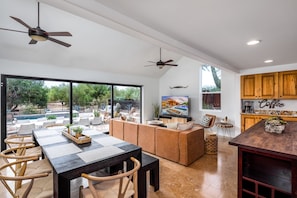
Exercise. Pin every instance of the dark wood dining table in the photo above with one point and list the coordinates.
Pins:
(69, 159)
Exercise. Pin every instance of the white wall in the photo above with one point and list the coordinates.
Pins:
(150, 85)
(188, 74)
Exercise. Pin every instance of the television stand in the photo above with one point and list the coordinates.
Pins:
(172, 119)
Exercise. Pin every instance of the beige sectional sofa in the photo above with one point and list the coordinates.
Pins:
(181, 146)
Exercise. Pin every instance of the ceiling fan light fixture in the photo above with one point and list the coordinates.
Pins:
(253, 42)
(38, 38)
(268, 61)
(38, 34)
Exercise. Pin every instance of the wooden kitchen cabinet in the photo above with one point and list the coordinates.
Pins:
(259, 86)
(288, 85)
(248, 121)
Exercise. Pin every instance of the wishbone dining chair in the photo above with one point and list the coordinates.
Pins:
(122, 185)
(40, 184)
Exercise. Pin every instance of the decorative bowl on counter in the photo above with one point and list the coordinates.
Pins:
(275, 124)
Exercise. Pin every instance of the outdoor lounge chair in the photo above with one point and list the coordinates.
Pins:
(84, 121)
(97, 121)
(26, 129)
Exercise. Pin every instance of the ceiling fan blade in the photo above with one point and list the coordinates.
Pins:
(21, 22)
(13, 30)
(171, 64)
(59, 42)
(32, 41)
(168, 61)
(59, 34)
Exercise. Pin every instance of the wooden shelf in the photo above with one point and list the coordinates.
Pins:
(265, 176)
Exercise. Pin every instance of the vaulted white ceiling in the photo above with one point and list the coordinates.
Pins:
(121, 36)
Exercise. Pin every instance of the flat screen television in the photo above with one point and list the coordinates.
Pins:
(175, 106)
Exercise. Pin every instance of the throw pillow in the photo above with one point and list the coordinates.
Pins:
(172, 125)
(185, 126)
(205, 121)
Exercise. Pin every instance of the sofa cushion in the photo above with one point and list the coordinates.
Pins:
(191, 145)
(205, 121)
(118, 129)
(146, 137)
(167, 143)
(172, 125)
(131, 132)
(185, 126)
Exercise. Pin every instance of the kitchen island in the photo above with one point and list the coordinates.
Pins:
(267, 162)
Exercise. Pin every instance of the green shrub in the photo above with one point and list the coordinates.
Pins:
(51, 117)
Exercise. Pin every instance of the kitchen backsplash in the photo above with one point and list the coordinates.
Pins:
(270, 106)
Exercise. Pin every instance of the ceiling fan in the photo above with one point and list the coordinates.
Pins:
(161, 63)
(38, 34)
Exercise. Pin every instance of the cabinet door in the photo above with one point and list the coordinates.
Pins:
(248, 87)
(268, 85)
(248, 121)
(165, 120)
(259, 86)
(288, 85)
(179, 120)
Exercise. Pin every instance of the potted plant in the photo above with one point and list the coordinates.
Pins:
(68, 127)
(156, 109)
(77, 131)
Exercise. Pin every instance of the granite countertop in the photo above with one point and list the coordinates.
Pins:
(256, 138)
(273, 113)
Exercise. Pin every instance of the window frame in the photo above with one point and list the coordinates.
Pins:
(210, 92)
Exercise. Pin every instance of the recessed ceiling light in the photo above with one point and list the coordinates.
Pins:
(253, 42)
(268, 61)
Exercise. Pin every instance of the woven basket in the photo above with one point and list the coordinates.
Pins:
(211, 144)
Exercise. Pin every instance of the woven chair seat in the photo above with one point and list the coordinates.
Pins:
(42, 188)
(108, 189)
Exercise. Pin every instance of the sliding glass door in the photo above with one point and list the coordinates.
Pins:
(126, 100)
(32, 103)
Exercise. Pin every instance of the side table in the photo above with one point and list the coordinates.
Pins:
(211, 144)
(225, 127)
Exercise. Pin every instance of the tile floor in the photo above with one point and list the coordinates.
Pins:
(212, 176)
